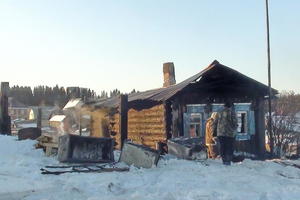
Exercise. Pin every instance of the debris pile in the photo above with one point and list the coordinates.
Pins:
(48, 143)
(139, 155)
(187, 148)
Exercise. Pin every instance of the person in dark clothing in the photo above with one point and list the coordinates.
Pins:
(226, 124)
(226, 149)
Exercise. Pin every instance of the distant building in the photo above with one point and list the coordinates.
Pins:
(60, 123)
(47, 113)
(76, 116)
(17, 110)
(73, 92)
(76, 92)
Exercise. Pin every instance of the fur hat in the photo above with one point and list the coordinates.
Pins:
(213, 115)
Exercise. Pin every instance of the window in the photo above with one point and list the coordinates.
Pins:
(195, 125)
(242, 122)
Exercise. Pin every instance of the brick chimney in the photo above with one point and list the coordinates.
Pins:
(169, 74)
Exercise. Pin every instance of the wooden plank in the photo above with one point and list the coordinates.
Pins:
(47, 144)
(149, 122)
(142, 119)
(147, 127)
(147, 131)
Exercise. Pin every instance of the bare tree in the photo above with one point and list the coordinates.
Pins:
(284, 122)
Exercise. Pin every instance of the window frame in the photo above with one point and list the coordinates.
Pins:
(246, 121)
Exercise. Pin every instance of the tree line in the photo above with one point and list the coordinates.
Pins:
(45, 95)
(113, 93)
(50, 96)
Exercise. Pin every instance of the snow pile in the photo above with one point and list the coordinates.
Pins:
(173, 179)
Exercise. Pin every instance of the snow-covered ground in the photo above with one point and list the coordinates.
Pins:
(172, 179)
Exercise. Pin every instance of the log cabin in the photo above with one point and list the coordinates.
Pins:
(181, 110)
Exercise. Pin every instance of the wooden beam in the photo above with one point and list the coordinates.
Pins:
(39, 118)
(180, 118)
(175, 118)
(5, 121)
(260, 128)
(123, 108)
(168, 119)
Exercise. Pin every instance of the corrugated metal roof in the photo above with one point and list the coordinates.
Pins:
(163, 94)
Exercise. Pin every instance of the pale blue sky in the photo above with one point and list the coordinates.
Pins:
(123, 44)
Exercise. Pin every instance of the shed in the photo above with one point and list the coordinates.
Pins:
(60, 123)
(171, 111)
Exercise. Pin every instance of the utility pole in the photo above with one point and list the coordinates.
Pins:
(271, 137)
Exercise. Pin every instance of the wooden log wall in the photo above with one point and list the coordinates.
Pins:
(145, 127)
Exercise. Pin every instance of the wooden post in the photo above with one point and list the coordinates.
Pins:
(260, 129)
(5, 121)
(168, 120)
(39, 118)
(180, 118)
(123, 109)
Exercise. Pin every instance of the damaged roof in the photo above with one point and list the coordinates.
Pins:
(57, 118)
(73, 103)
(165, 93)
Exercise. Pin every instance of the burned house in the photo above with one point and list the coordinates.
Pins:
(181, 110)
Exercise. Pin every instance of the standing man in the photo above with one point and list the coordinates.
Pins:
(226, 124)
